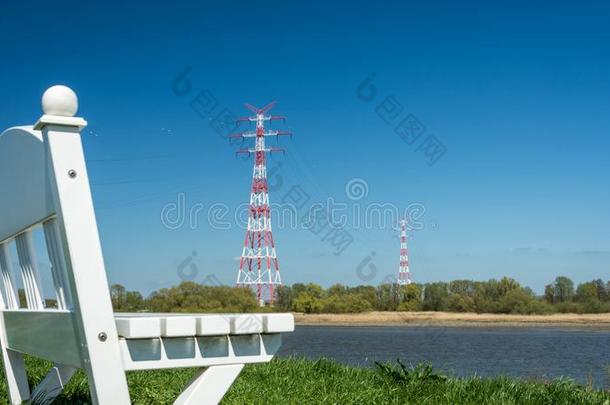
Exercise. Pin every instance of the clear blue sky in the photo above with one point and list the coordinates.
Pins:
(519, 94)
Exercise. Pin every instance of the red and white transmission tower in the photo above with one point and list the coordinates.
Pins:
(404, 276)
(258, 265)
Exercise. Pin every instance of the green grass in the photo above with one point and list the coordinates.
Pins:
(298, 381)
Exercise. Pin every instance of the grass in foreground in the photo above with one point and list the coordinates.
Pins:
(299, 381)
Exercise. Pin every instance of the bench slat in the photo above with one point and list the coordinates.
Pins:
(48, 334)
(139, 328)
(277, 323)
(143, 326)
(178, 326)
(213, 325)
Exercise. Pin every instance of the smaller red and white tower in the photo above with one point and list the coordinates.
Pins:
(404, 275)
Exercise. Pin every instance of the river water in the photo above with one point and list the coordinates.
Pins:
(519, 352)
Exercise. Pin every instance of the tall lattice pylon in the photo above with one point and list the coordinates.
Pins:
(404, 275)
(258, 265)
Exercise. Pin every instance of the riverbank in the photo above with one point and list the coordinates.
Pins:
(456, 319)
(297, 381)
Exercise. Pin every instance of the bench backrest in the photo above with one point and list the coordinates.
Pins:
(44, 184)
(27, 203)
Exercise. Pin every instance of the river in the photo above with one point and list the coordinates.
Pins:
(518, 352)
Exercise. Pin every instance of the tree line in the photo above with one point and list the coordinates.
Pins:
(504, 296)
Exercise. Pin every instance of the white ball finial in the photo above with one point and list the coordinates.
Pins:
(60, 100)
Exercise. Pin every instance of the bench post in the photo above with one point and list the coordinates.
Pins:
(14, 366)
(69, 192)
(209, 385)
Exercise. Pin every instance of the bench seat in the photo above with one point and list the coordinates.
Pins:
(157, 341)
(152, 325)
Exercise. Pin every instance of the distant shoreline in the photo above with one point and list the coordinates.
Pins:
(456, 319)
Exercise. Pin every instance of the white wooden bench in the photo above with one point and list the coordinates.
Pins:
(44, 185)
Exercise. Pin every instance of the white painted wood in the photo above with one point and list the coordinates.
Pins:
(48, 119)
(48, 334)
(209, 385)
(23, 181)
(14, 366)
(151, 325)
(276, 323)
(53, 384)
(10, 294)
(152, 354)
(16, 377)
(84, 261)
(29, 270)
(213, 325)
(139, 328)
(178, 326)
(58, 264)
(60, 102)
(246, 324)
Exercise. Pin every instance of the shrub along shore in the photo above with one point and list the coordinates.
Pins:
(505, 296)
(299, 381)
